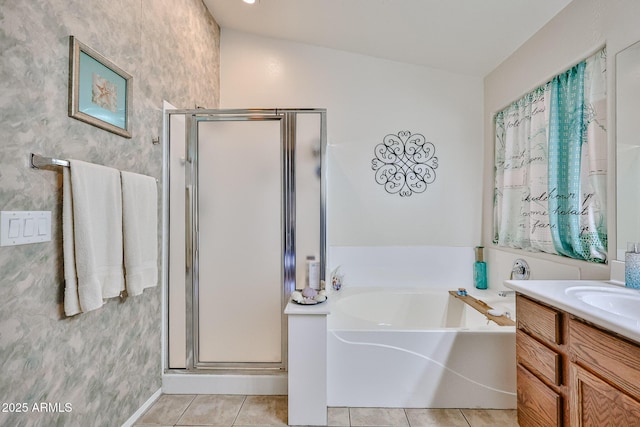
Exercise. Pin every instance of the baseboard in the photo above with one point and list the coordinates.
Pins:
(141, 410)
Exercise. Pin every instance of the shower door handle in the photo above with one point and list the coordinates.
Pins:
(187, 228)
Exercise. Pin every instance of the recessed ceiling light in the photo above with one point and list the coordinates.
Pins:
(249, 1)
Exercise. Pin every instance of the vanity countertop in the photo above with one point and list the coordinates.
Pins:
(562, 294)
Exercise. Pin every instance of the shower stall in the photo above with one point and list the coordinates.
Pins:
(244, 208)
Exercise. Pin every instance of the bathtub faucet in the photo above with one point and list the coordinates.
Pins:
(506, 293)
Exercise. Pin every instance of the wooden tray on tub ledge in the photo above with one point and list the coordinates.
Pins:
(483, 308)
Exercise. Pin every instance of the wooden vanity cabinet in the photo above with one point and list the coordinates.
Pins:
(572, 373)
(542, 362)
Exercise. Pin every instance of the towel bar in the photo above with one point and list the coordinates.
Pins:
(38, 161)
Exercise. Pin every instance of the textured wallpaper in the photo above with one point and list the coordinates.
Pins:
(96, 368)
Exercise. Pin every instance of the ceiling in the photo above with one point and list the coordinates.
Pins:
(470, 37)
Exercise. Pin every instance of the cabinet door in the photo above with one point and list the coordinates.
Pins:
(595, 403)
(609, 357)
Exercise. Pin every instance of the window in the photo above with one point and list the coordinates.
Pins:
(551, 166)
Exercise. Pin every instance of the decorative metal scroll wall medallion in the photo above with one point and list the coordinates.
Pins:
(405, 163)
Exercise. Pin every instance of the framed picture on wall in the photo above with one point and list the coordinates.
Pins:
(99, 90)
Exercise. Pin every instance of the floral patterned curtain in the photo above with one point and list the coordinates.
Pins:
(550, 166)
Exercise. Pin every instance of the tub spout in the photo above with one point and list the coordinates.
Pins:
(506, 293)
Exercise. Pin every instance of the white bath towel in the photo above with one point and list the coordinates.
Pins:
(96, 249)
(71, 299)
(140, 231)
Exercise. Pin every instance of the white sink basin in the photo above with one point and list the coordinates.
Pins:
(623, 302)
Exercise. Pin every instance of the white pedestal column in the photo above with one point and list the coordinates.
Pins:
(307, 380)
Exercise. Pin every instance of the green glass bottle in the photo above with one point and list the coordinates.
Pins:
(480, 270)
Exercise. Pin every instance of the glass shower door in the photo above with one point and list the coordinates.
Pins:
(239, 205)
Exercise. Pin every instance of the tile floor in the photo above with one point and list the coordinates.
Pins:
(268, 411)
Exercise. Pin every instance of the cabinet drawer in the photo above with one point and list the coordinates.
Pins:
(538, 358)
(538, 320)
(607, 355)
(538, 405)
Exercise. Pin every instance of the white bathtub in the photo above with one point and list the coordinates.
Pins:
(415, 348)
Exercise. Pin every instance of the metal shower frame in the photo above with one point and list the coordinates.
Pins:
(287, 118)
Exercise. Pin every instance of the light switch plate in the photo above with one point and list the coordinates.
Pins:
(23, 227)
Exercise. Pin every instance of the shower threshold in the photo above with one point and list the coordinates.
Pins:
(225, 381)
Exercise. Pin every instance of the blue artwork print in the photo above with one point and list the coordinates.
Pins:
(102, 92)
